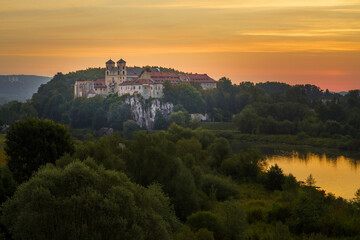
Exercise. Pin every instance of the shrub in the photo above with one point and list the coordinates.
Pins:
(221, 188)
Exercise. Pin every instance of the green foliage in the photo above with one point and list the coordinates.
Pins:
(35, 142)
(274, 178)
(176, 132)
(233, 217)
(244, 166)
(160, 121)
(281, 232)
(219, 150)
(204, 234)
(7, 184)
(205, 137)
(117, 114)
(180, 118)
(189, 148)
(306, 213)
(150, 158)
(247, 120)
(15, 110)
(106, 151)
(84, 201)
(129, 128)
(218, 125)
(206, 220)
(218, 188)
(186, 95)
(83, 112)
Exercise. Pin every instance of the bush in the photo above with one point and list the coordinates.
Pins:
(218, 187)
(205, 220)
(244, 166)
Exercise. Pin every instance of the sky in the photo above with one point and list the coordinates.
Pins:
(293, 41)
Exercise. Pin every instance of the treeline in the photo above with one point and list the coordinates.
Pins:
(264, 108)
(177, 184)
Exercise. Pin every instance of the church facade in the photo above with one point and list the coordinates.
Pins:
(122, 80)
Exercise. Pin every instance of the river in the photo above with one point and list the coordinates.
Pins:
(338, 175)
(334, 171)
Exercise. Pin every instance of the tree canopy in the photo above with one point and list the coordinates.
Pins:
(81, 200)
(35, 142)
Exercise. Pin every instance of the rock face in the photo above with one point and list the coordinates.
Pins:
(143, 111)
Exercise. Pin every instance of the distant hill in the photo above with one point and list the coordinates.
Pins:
(19, 87)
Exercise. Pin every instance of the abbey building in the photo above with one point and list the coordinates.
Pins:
(133, 80)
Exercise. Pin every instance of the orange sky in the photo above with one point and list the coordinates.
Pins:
(307, 41)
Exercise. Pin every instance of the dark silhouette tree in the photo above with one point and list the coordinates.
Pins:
(35, 142)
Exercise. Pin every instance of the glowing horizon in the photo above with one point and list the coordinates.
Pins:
(297, 42)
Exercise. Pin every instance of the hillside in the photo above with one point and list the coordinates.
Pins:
(19, 87)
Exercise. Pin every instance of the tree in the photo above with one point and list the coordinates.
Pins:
(160, 121)
(178, 117)
(357, 195)
(35, 142)
(81, 200)
(219, 149)
(129, 127)
(7, 184)
(233, 218)
(207, 220)
(310, 180)
(99, 119)
(247, 120)
(118, 113)
(275, 178)
(185, 95)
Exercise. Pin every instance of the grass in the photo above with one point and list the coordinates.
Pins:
(218, 126)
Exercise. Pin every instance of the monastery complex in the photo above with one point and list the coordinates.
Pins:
(133, 80)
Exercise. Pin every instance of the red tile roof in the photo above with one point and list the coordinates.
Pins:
(99, 83)
(136, 81)
(202, 78)
(161, 77)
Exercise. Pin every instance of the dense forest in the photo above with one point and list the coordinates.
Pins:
(176, 184)
(61, 178)
(264, 108)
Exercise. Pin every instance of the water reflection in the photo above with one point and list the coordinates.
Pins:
(339, 175)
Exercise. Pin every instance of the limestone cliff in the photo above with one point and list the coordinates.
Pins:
(143, 111)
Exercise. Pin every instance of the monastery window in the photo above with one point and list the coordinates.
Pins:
(123, 72)
(123, 67)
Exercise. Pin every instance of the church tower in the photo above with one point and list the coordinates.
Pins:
(112, 80)
(121, 67)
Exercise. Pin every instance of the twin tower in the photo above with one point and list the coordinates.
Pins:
(115, 75)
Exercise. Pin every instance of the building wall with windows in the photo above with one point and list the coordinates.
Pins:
(149, 84)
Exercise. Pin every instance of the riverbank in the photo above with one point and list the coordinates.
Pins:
(229, 131)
